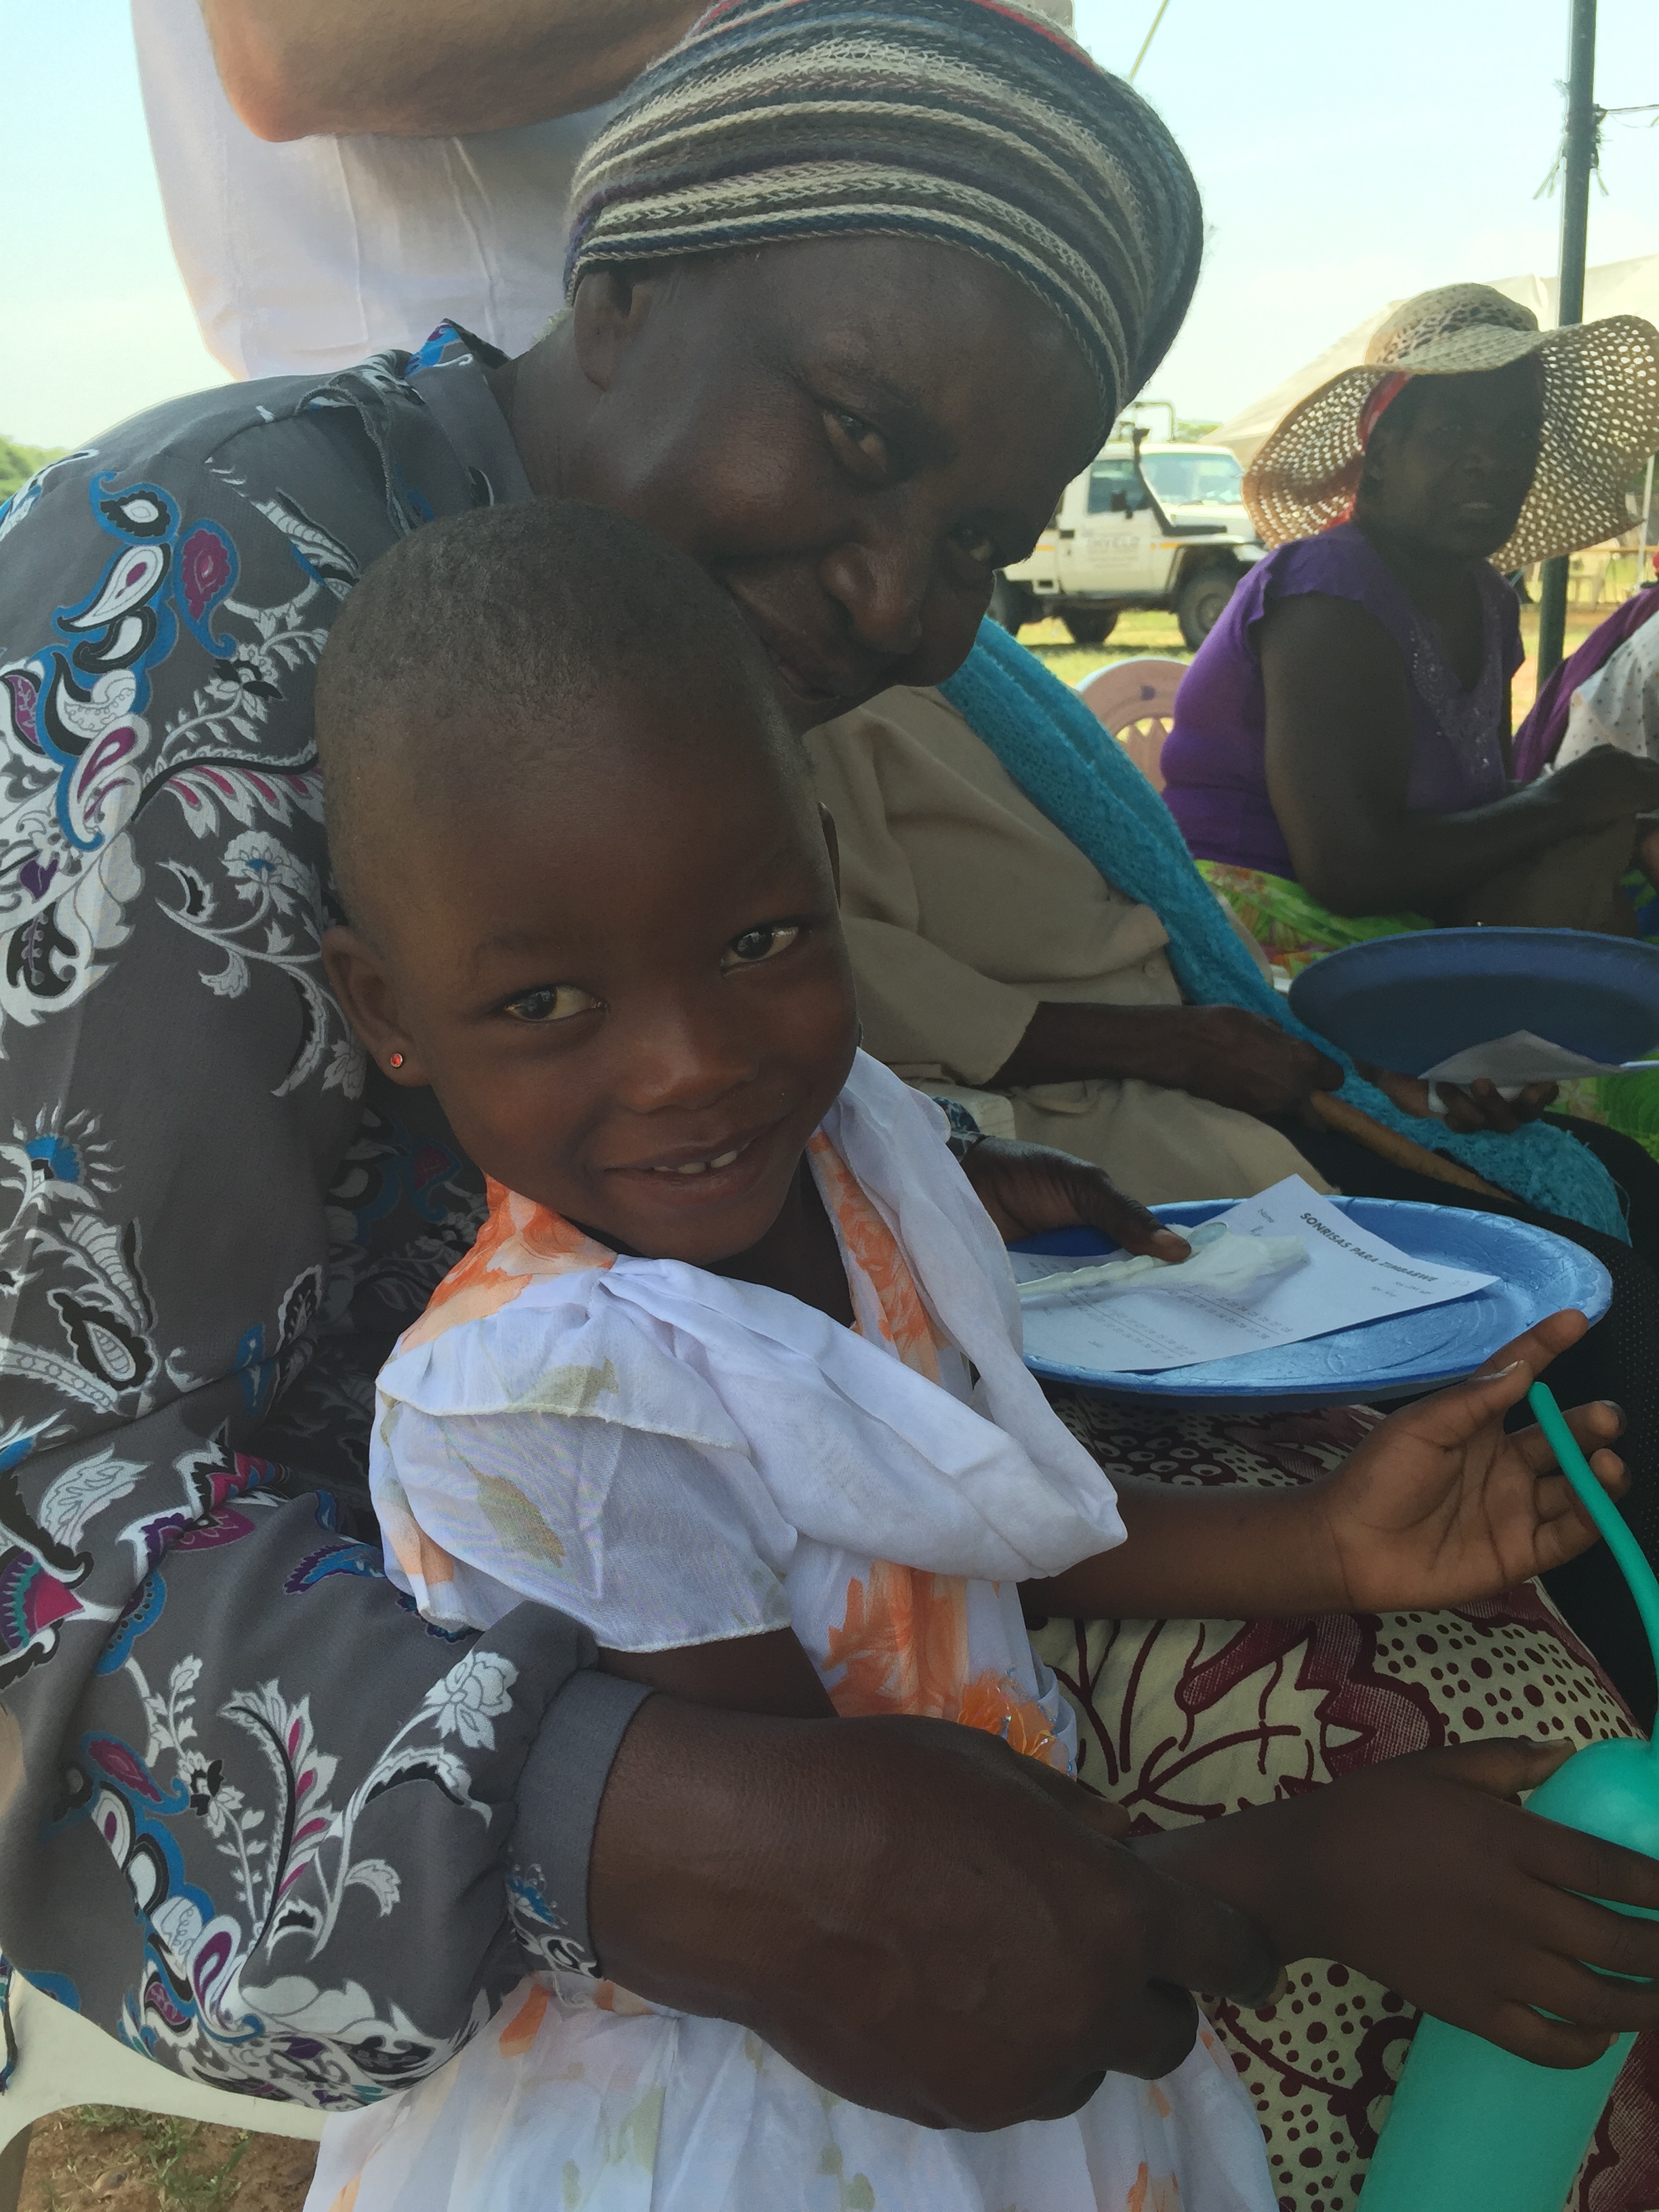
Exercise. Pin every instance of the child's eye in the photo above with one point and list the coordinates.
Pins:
(556, 1002)
(763, 943)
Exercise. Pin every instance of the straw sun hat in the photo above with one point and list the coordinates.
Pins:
(1600, 419)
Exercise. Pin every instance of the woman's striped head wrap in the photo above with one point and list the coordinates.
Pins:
(970, 122)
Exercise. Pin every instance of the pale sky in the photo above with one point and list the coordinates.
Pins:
(1348, 155)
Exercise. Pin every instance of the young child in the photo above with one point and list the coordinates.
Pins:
(732, 1374)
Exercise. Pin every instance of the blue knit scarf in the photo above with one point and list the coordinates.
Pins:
(1063, 760)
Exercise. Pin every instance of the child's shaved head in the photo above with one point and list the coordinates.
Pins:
(592, 906)
(464, 665)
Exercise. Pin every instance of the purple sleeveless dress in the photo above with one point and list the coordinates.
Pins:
(1215, 777)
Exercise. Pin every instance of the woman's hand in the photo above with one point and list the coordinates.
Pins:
(1468, 1109)
(1439, 1505)
(1419, 1873)
(1030, 1189)
(1603, 786)
(918, 1919)
(1247, 1061)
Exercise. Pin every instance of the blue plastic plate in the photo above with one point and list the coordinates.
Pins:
(1537, 1273)
(1411, 1001)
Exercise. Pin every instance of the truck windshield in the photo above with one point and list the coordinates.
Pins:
(1193, 479)
(1113, 488)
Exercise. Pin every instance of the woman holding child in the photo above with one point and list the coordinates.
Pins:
(292, 1836)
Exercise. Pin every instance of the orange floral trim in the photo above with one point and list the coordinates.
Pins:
(516, 2038)
(902, 1643)
(904, 1321)
(903, 1647)
(519, 1241)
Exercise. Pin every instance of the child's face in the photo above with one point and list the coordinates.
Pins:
(629, 988)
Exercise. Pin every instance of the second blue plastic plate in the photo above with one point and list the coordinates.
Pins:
(1411, 1001)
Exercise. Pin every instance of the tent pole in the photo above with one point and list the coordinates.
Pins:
(1647, 509)
(1570, 298)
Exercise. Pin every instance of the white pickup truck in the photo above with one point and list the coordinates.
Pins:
(1149, 524)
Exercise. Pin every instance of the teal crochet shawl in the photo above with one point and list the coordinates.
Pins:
(1063, 760)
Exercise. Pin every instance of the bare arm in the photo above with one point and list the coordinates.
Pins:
(1198, 1555)
(1439, 1505)
(422, 69)
(1221, 1053)
(1338, 757)
(768, 1673)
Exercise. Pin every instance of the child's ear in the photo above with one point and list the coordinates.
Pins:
(366, 994)
(832, 839)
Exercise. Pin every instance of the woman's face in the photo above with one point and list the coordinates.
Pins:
(1452, 472)
(851, 436)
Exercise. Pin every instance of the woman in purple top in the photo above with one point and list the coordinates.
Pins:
(1341, 739)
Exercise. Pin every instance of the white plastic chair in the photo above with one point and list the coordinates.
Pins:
(1134, 700)
(63, 2060)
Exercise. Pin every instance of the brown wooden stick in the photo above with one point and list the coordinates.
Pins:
(1404, 1152)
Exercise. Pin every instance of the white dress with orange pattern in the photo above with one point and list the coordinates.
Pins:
(673, 1458)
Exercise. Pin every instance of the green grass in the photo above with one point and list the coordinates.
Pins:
(172, 2150)
(1147, 631)
(1144, 630)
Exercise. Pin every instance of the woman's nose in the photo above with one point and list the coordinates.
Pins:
(1491, 452)
(884, 587)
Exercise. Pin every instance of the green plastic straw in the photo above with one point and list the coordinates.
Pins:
(1643, 1587)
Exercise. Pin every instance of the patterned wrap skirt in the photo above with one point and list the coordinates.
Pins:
(1182, 1721)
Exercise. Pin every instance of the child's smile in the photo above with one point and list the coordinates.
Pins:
(627, 982)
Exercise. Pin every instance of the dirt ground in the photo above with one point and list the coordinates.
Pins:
(99, 2158)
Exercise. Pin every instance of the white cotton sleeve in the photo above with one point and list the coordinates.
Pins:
(563, 1448)
(651, 1541)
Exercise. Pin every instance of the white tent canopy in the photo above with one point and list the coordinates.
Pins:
(1617, 288)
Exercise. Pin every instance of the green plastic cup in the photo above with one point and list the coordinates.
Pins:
(1473, 2128)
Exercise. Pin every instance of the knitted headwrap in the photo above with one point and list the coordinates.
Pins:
(966, 121)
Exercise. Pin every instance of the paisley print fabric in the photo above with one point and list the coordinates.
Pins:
(222, 1725)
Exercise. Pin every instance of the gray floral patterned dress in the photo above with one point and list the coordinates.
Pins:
(257, 1817)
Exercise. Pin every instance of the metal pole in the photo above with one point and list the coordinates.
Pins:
(1570, 302)
(1647, 509)
(1147, 41)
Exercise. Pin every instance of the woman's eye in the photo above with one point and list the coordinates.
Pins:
(860, 444)
(555, 1002)
(978, 544)
(756, 945)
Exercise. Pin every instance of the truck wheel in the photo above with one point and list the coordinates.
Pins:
(1203, 598)
(1090, 625)
(1010, 606)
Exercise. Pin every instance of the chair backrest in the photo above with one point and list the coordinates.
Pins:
(63, 2059)
(1135, 700)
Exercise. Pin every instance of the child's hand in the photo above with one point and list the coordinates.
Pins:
(1029, 1188)
(1438, 1505)
(1418, 1872)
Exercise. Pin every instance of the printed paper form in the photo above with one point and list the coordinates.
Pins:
(1521, 1058)
(1348, 1277)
